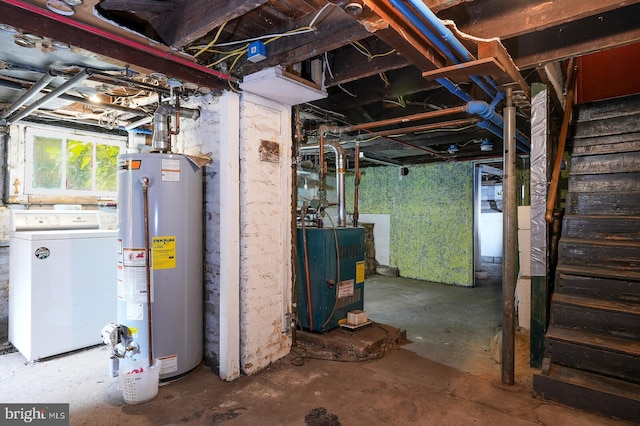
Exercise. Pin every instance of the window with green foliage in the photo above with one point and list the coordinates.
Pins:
(72, 163)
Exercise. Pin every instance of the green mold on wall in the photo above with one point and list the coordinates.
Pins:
(431, 211)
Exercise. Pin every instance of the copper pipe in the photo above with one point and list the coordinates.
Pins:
(430, 126)
(147, 258)
(405, 119)
(553, 187)
(356, 182)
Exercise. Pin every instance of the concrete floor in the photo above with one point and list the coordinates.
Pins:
(446, 376)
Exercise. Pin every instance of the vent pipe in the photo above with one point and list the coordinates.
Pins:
(160, 141)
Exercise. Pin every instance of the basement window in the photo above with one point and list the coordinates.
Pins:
(65, 162)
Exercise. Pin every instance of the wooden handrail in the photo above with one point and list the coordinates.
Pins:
(555, 179)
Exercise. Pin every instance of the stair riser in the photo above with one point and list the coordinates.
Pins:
(607, 108)
(627, 162)
(608, 126)
(598, 288)
(595, 360)
(629, 142)
(615, 182)
(605, 256)
(586, 399)
(623, 325)
(602, 228)
(620, 204)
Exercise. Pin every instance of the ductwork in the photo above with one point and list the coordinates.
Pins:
(160, 140)
(340, 174)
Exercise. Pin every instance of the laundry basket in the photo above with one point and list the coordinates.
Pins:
(139, 381)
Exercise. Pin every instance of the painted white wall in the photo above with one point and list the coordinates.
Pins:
(381, 234)
(265, 239)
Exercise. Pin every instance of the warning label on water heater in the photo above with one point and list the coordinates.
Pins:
(170, 170)
(163, 252)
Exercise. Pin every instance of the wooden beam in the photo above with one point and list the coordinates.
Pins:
(411, 43)
(33, 19)
(349, 65)
(493, 49)
(511, 18)
(147, 6)
(613, 29)
(196, 18)
(333, 32)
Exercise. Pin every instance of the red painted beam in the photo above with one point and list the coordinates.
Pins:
(34, 19)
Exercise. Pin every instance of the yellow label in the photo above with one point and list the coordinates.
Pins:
(133, 332)
(163, 252)
(360, 272)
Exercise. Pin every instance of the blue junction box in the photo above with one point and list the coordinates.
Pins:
(257, 51)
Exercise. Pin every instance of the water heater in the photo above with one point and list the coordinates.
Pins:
(160, 213)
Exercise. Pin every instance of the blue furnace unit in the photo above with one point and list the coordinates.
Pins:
(336, 277)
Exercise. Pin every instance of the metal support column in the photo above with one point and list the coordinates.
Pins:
(509, 241)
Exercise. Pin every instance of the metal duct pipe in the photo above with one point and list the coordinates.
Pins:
(340, 187)
(29, 94)
(160, 139)
(77, 79)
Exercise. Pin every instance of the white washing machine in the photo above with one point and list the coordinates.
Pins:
(62, 281)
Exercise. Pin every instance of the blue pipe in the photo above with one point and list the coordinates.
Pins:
(448, 36)
(442, 46)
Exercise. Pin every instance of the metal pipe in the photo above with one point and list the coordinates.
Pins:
(509, 241)
(340, 186)
(29, 94)
(77, 79)
(161, 131)
(405, 119)
(441, 38)
(430, 126)
(4, 172)
(356, 184)
(147, 255)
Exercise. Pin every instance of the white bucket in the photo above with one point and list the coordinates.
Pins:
(139, 381)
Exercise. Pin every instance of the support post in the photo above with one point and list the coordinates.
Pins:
(509, 242)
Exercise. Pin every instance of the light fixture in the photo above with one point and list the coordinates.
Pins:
(486, 145)
(353, 8)
(453, 148)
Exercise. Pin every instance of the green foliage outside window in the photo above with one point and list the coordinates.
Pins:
(47, 159)
(88, 166)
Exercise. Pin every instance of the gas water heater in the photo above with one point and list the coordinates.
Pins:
(159, 270)
(173, 187)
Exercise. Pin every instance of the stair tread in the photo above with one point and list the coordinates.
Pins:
(584, 338)
(600, 216)
(594, 271)
(601, 304)
(595, 382)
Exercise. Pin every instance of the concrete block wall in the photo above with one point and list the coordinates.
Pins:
(265, 226)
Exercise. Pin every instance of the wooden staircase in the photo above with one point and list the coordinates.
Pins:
(592, 356)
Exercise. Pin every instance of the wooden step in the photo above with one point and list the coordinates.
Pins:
(599, 354)
(590, 392)
(626, 142)
(607, 108)
(625, 162)
(593, 271)
(601, 227)
(606, 182)
(581, 283)
(600, 253)
(608, 126)
(606, 317)
(597, 203)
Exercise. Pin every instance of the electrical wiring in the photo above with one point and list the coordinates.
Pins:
(212, 42)
(364, 51)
